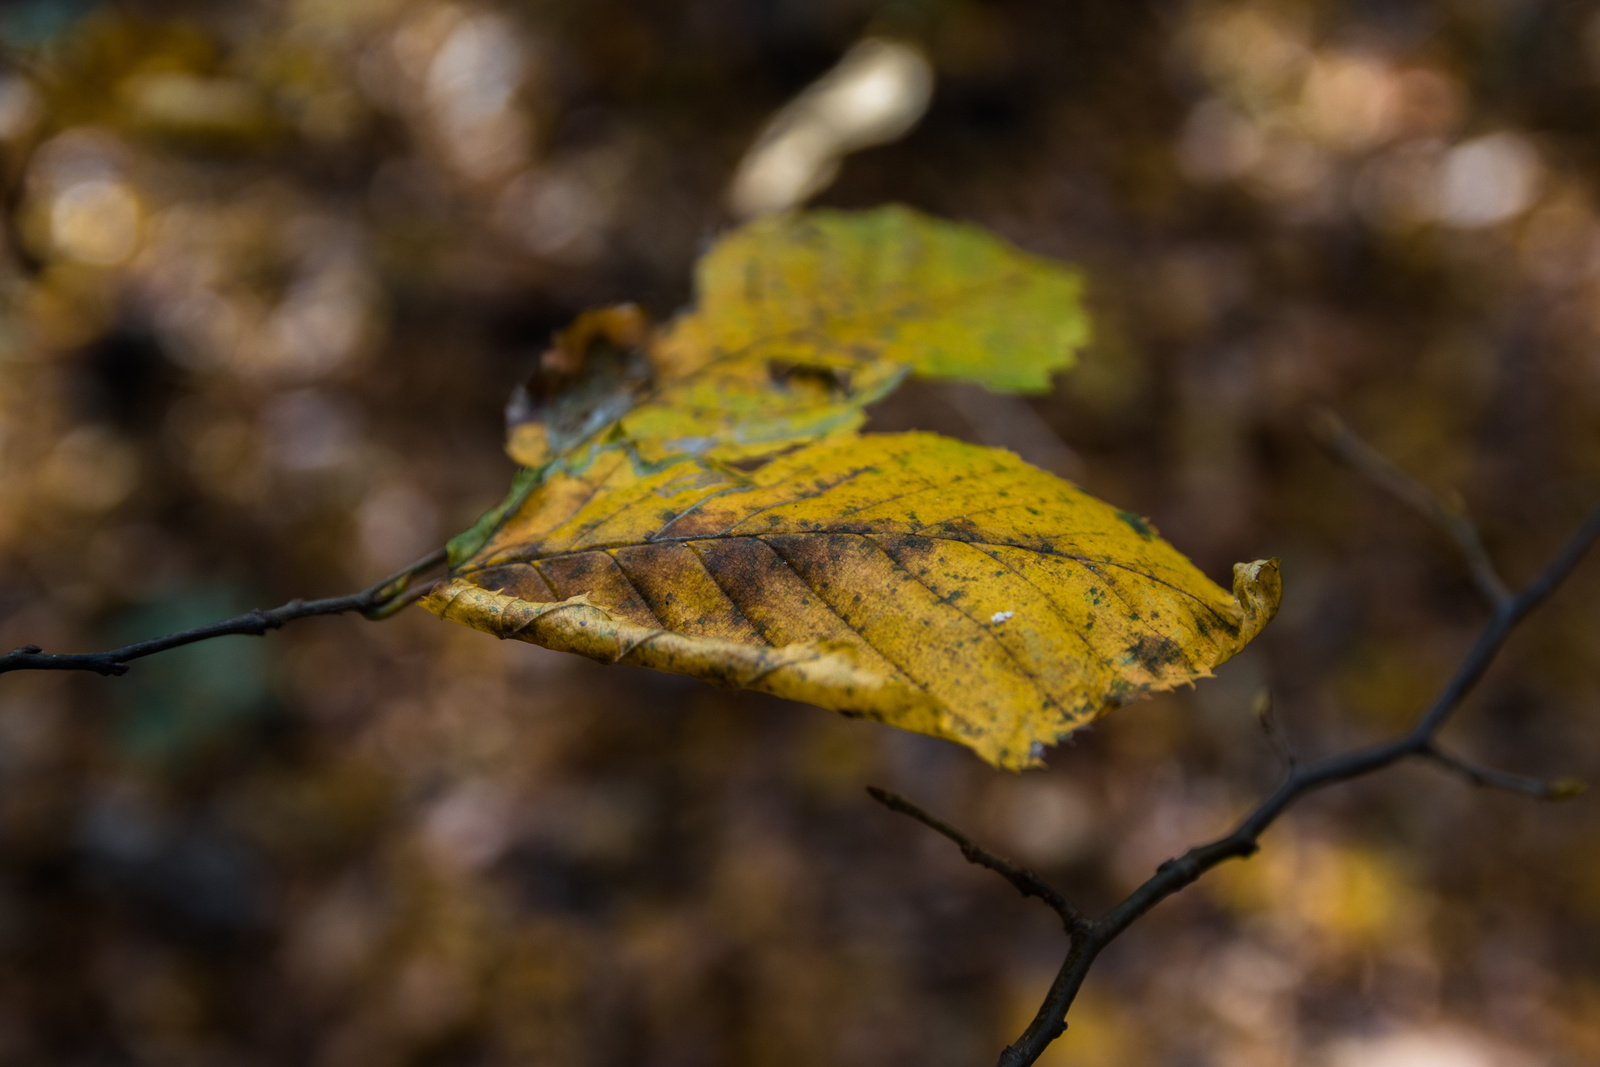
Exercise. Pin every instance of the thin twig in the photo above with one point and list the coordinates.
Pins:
(1451, 519)
(1025, 881)
(1179, 873)
(376, 601)
(1489, 777)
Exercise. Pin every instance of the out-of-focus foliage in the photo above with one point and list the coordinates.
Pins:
(840, 289)
(257, 365)
(801, 322)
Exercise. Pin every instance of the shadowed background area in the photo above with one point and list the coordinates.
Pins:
(272, 269)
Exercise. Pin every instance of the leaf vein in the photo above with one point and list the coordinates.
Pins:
(728, 595)
(638, 591)
(988, 631)
(848, 624)
(535, 557)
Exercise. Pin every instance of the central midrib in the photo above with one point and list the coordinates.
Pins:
(614, 546)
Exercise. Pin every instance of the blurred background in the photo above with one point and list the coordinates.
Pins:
(271, 269)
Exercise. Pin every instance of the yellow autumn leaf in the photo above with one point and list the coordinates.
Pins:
(803, 320)
(929, 584)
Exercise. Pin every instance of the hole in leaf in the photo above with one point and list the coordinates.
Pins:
(834, 381)
(755, 463)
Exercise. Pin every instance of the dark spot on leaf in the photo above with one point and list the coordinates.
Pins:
(1138, 524)
(1154, 653)
(755, 463)
(835, 380)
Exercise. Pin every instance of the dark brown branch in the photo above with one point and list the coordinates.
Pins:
(1451, 519)
(1025, 881)
(1489, 777)
(1179, 873)
(377, 601)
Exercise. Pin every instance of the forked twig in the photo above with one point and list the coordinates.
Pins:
(1091, 937)
(376, 602)
(1306, 778)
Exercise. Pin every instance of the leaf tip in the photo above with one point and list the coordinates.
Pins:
(1258, 588)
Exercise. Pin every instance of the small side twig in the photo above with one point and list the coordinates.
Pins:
(1267, 716)
(376, 602)
(1450, 518)
(1491, 778)
(1023, 880)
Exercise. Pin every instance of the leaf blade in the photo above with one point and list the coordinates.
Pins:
(1017, 606)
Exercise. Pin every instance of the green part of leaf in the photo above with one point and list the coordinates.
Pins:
(946, 299)
(732, 410)
(803, 321)
(463, 546)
